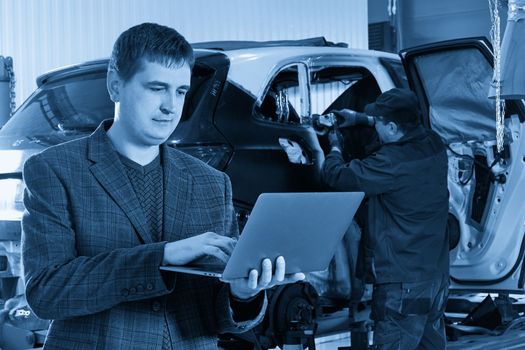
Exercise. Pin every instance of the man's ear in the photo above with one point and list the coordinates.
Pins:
(392, 128)
(113, 82)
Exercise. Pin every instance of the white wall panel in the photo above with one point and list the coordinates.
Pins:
(45, 34)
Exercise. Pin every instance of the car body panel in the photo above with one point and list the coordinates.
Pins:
(452, 80)
(257, 140)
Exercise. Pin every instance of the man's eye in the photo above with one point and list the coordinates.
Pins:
(182, 92)
(156, 89)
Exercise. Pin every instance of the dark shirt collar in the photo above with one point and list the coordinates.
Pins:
(417, 133)
(144, 169)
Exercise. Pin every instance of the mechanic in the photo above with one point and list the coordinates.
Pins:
(104, 212)
(405, 242)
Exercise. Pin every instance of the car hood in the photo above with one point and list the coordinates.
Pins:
(12, 160)
(12, 190)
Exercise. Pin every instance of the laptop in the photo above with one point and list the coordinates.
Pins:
(305, 228)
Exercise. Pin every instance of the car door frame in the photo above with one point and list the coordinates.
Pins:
(408, 57)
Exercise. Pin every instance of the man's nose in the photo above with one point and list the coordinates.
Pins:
(169, 104)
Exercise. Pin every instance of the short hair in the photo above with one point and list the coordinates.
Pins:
(153, 42)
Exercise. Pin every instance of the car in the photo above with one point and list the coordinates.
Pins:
(250, 113)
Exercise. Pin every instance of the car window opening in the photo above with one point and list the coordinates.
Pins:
(330, 88)
(282, 101)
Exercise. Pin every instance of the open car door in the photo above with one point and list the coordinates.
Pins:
(487, 188)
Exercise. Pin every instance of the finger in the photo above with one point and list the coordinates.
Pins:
(252, 279)
(216, 252)
(294, 277)
(225, 243)
(299, 276)
(290, 278)
(280, 268)
(266, 275)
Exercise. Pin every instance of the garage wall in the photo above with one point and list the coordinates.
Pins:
(45, 34)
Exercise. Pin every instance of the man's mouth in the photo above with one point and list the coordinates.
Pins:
(162, 120)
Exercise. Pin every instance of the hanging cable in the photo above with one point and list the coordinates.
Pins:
(495, 35)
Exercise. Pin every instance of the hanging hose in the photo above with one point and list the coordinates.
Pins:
(495, 34)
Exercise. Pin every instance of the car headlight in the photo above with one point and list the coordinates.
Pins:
(216, 156)
(11, 199)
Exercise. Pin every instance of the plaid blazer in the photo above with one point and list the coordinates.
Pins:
(92, 266)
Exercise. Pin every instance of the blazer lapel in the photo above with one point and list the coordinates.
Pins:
(110, 173)
(177, 195)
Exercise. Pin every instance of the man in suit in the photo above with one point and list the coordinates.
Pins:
(104, 212)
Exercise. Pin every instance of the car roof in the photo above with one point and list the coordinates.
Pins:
(242, 44)
(253, 68)
(252, 64)
(94, 66)
(89, 66)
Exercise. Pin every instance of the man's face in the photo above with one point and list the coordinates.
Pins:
(150, 103)
(381, 128)
(386, 130)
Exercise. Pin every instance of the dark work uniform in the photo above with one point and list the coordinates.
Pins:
(405, 244)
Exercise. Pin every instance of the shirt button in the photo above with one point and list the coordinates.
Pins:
(149, 286)
(125, 292)
(132, 290)
(155, 306)
(140, 288)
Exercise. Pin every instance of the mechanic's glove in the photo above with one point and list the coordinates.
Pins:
(347, 117)
(335, 139)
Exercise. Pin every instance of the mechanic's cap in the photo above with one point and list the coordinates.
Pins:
(397, 105)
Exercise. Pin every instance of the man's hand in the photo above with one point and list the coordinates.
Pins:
(347, 117)
(186, 250)
(335, 139)
(245, 288)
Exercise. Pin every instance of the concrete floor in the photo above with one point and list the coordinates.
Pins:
(331, 342)
(511, 340)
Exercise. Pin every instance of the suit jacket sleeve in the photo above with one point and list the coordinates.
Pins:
(224, 311)
(59, 283)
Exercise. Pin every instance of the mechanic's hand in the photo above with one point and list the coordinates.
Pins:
(323, 123)
(186, 250)
(245, 288)
(335, 139)
(348, 117)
